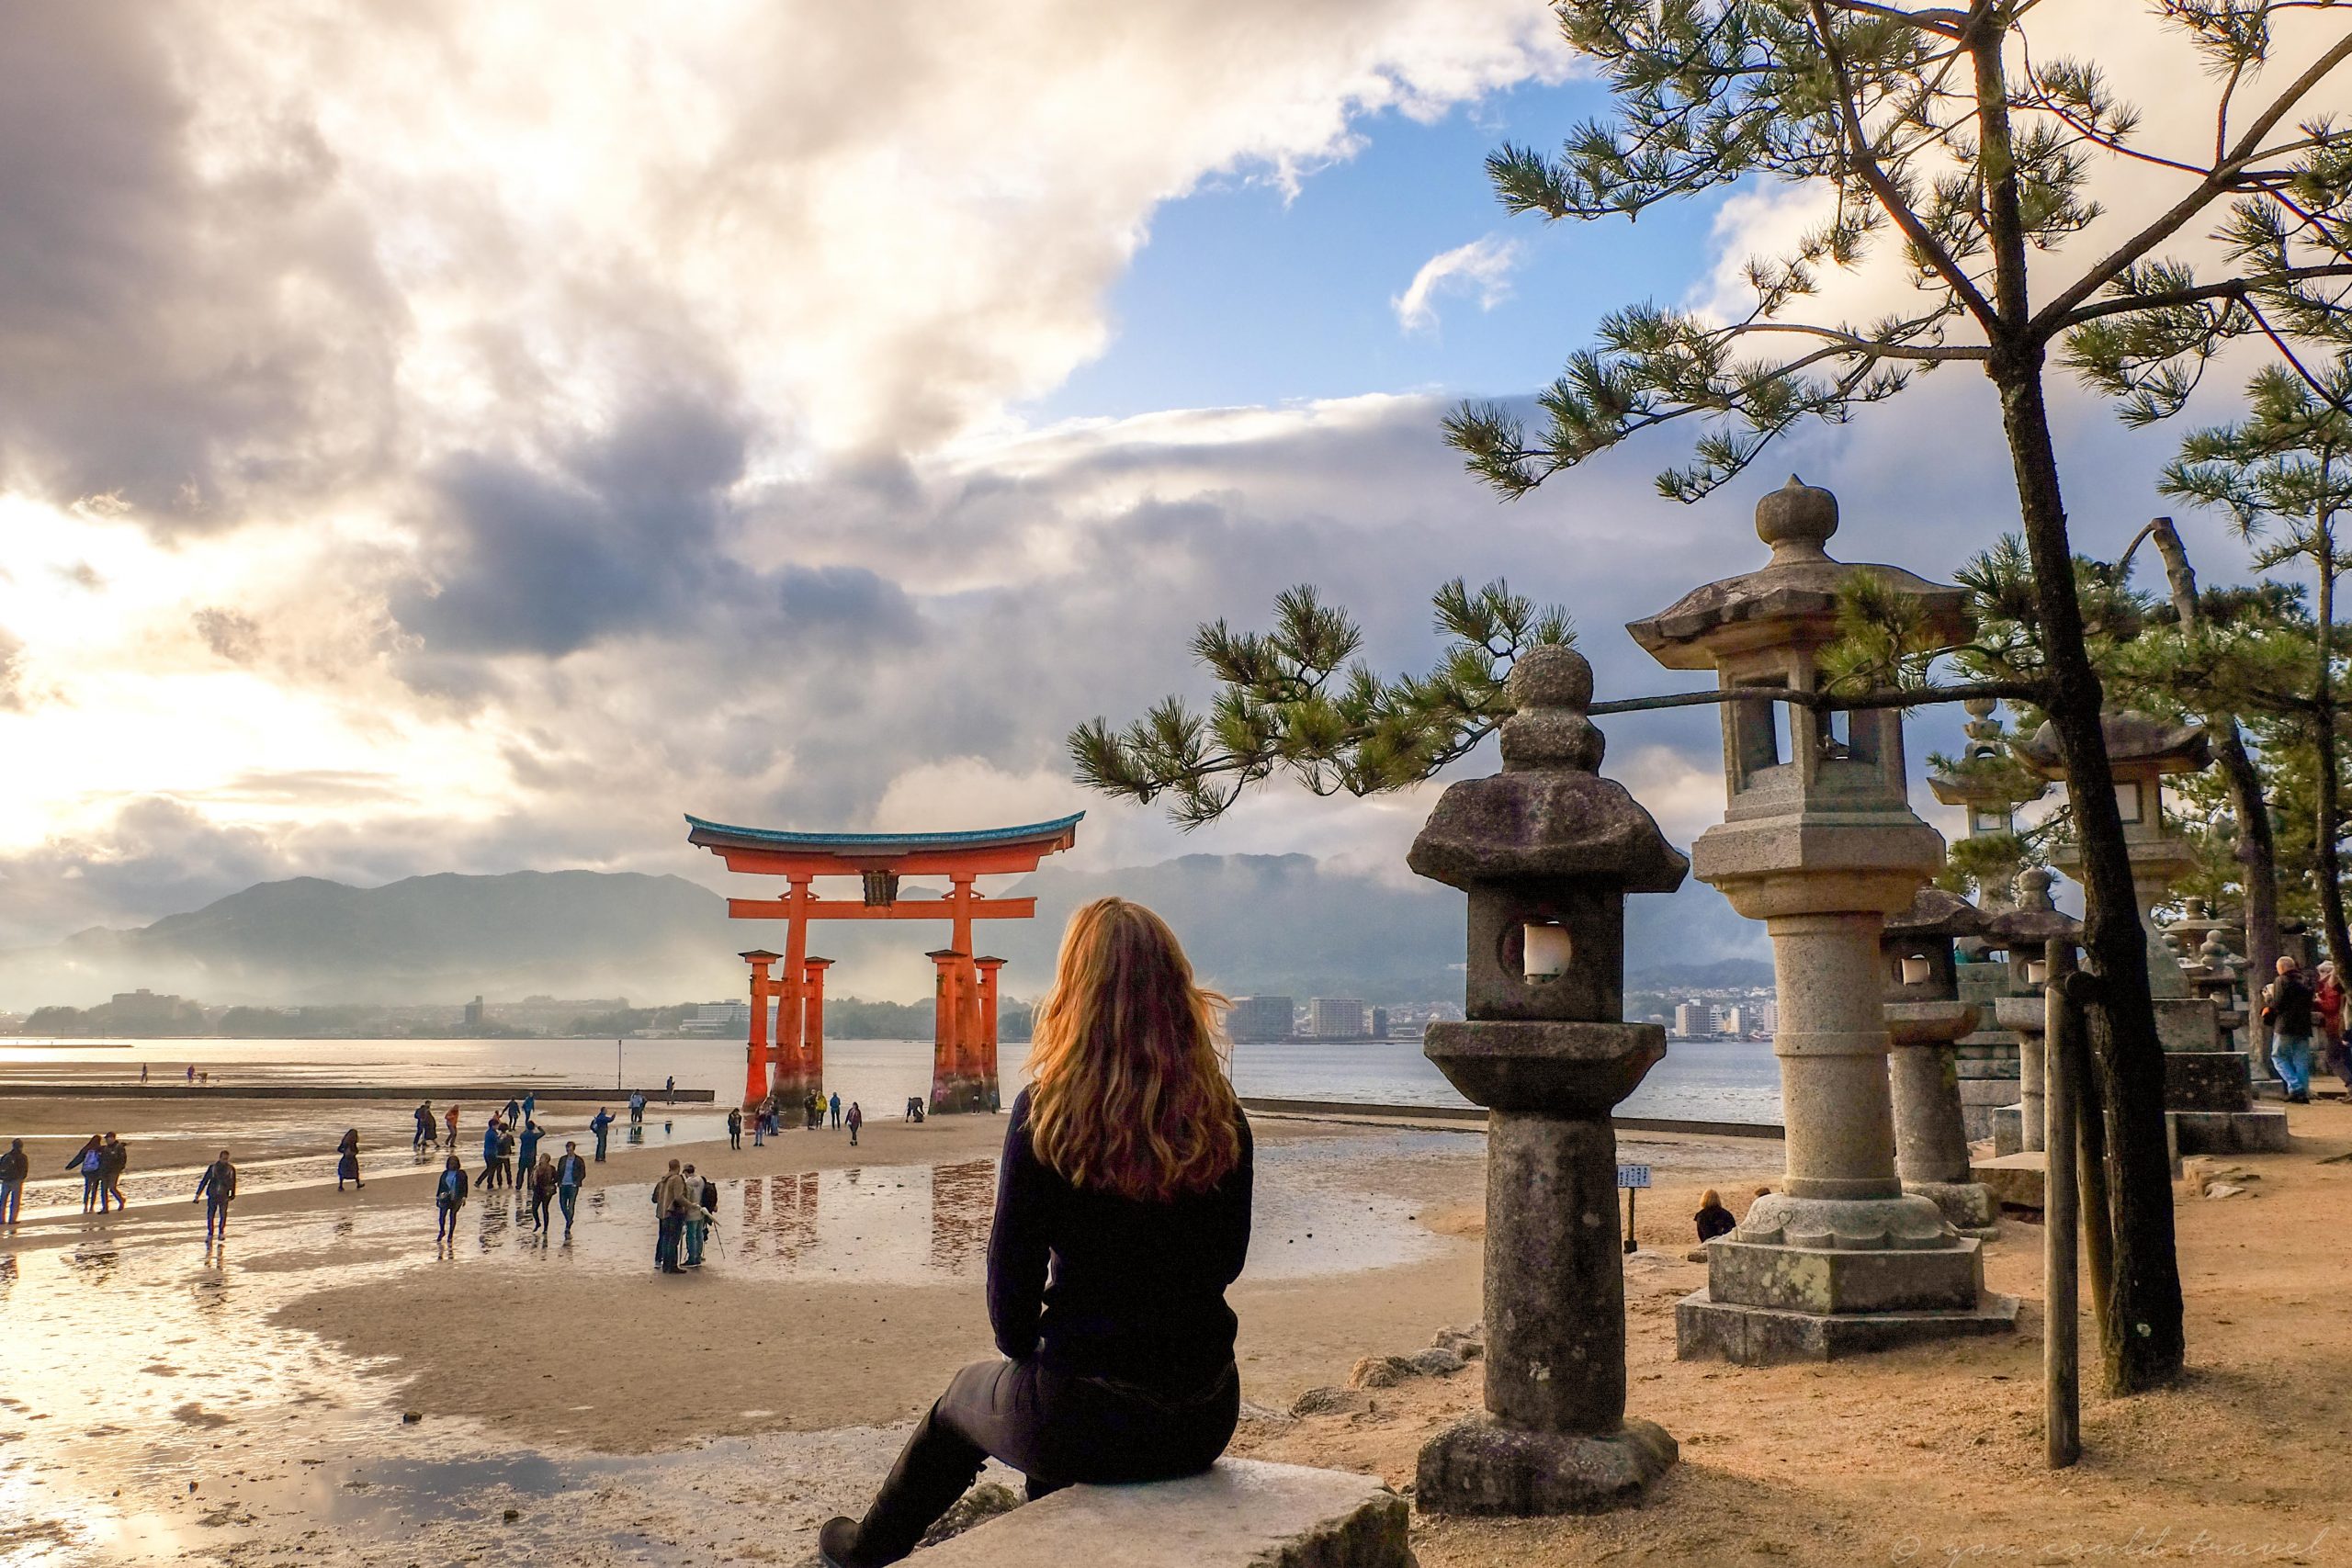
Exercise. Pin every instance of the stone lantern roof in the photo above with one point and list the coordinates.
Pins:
(2133, 740)
(2036, 919)
(1936, 913)
(1547, 816)
(1797, 586)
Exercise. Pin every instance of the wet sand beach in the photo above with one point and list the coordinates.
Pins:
(253, 1403)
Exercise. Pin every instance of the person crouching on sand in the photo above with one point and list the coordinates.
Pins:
(449, 1196)
(1712, 1219)
(1122, 1215)
(214, 1189)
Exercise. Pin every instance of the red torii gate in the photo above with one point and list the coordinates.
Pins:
(963, 1074)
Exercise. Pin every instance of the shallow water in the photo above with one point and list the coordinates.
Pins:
(1724, 1080)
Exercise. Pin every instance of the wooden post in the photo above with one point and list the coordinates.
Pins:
(755, 1066)
(813, 1027)
(2061, 1358)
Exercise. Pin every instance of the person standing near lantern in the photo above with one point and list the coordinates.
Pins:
(2287, 1009)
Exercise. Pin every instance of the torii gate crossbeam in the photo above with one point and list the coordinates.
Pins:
(963, 1047)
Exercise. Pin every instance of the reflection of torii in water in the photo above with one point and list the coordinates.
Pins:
(963, 1074)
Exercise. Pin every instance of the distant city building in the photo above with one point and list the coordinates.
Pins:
(474, 1014)
(1260, 1018)
(1380, 1023)
(1335, 1017)
(143, 1009)
(722, 1019)
(1694, 1020)
(1764, 1018)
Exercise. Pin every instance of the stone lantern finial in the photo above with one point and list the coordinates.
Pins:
(1551, 688)
(1797, 520)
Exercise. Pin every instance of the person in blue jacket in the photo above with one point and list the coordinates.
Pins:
(489, 1141)
(570, 1176)
(602, 1125)
(213, 1189)
(531, 1136)
(449, 1196)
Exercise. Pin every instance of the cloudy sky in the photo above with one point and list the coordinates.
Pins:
(438, 436)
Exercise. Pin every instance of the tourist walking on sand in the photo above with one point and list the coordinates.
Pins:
(531, 1136)
(530, 1105)
(14, 1167)
(452, 1118)
(2287, 1009)
(1122, 1215)
(543, 1182)
(834, 1105)
(114, 1158)
(734, 1126)
(86, 1161)
(759, 1124)
(670, 1201)
(346, 1168)
(855, 1120)
(601, 1124)
(426, 1137)
(571, 1175)
(670, 1088)
(214, 1189)
(506, 1142)
(636, 1107)
(490, 1153)
(449, 1196)
(2327, 999)
(1712, 1219)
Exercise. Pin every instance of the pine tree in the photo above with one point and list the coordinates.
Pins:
(1939, 129)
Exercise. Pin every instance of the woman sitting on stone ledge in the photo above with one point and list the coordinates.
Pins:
(1122, 1215)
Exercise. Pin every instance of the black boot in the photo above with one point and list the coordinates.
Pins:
(932, 1471)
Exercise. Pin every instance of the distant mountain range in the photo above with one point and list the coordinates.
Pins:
(1251, 923)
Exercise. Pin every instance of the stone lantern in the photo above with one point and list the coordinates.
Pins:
(2141, 751)
(1819, 842)
(1547, 850)
(2025, 933)
(1925, 1019)
(1991, 802)
(2208, 1091)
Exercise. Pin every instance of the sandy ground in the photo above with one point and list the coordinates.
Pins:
(627, 1417)
(1935, 1455)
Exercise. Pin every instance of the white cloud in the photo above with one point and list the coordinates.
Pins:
(1482, 268)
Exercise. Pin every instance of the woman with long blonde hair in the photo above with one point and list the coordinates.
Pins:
(1122, 1215)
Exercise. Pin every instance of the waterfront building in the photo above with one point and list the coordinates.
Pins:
(1335, 1017)
(1257, 1020)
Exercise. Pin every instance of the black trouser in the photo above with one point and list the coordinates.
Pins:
(1057, 1430)
(540, 1202)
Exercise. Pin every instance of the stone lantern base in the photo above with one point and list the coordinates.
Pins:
(1809, 1280)
(1480, 1466)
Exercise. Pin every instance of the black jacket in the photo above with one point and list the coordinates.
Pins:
(1098, 1285)
(2287, 1006)
(14, 1164)
(571, 1170)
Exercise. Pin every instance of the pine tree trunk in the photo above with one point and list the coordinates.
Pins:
(2142, 1337)
(2329, 823)
(2258, 850)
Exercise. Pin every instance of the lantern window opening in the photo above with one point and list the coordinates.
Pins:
(1989, 820)
(1547, 951)
(2037, 971)
(1917, 969)
(2128, 801)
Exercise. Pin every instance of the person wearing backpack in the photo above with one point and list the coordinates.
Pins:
(2287, 1009)
(449, 1196)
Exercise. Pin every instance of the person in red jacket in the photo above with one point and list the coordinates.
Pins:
(2327, 1004)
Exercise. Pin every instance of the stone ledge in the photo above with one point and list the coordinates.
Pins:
(1835, 1280)
(1239, 1514)
(2015, 1180)
(2228, 1132)
(1759, 1336)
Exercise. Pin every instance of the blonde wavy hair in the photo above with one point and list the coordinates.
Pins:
(1127, 1090)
